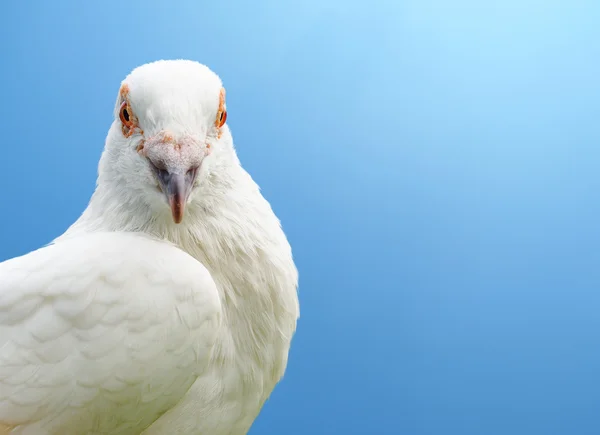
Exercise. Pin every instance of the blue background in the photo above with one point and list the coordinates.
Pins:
(435, 165)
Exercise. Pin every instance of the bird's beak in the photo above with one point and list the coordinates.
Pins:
(177, 187)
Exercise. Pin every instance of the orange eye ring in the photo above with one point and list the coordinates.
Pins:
(221, 112)
(125, 115)
(222, 118)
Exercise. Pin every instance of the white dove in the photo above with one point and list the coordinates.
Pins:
(169, 306)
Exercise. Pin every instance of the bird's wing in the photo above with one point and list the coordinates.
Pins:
(101, 333)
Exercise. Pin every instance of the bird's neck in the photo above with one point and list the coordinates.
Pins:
(238, 238)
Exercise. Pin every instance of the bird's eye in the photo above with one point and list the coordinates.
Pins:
(221, 112)
(125, 115)
(222, 118)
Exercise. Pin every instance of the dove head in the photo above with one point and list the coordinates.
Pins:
(168, 138)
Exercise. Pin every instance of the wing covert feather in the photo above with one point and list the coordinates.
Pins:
(101, 333)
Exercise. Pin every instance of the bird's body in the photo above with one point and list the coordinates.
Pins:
(135, 322)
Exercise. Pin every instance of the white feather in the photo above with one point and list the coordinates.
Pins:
(131, 323)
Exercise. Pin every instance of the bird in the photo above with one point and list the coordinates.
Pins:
(169, 306)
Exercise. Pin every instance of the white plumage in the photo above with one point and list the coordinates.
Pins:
(170, 305)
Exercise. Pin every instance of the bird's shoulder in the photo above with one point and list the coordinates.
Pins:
(102, 322)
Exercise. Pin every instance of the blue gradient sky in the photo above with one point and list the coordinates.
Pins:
(435, 165)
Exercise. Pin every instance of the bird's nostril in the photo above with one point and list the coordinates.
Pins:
(191, 173)
(158, 164)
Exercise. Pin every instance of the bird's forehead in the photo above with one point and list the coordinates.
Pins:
(172, 89)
